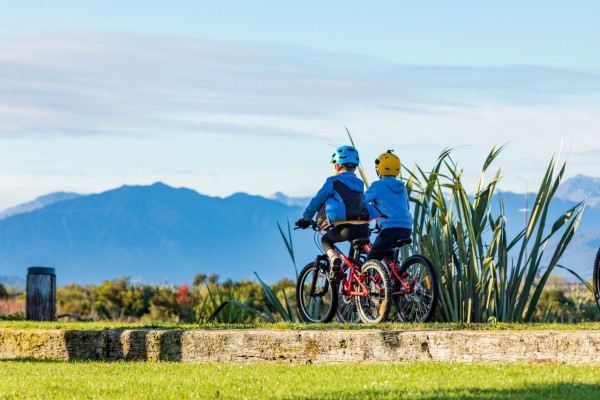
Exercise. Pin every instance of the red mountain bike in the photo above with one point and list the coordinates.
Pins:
(368, 287)
(414, 281)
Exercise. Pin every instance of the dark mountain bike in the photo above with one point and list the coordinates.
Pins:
(596, 278)
(365, 289)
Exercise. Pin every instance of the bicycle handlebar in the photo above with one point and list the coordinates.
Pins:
(312, 225)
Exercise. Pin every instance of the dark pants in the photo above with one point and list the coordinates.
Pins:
(384, 244)
(342, 233)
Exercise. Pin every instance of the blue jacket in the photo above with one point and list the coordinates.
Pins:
(390, 197)
(343, 198)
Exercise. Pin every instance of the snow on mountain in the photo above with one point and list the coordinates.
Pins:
(579, 188)
(290, 201)
(38, 203)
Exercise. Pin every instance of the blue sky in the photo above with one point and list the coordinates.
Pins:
(252, 96)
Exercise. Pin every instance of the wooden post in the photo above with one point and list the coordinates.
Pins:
(41, 294)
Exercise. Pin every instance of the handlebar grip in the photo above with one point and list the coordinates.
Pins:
(312, 224)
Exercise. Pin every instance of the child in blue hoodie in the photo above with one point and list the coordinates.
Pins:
(341, 206)
(390, 197)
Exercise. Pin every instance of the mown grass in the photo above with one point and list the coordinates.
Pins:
(68, 380)
(297, 326)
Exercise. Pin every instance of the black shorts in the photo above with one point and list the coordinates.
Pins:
(342, 233)
(384, 244)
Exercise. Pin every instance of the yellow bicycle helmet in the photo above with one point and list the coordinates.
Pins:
(387, 164)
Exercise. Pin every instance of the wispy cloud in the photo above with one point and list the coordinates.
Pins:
(98, 84)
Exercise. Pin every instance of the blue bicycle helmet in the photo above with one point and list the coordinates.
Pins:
(345, 155)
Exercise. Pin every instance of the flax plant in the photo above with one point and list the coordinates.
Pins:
(484, 274)
(278, 311)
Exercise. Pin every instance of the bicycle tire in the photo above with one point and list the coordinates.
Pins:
(374, 307)
(346, 312)
(596, 278)
(321, 305)
(419, 304)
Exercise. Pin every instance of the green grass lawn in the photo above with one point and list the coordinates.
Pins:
(69, 380)
(298, 326)
(290, 326)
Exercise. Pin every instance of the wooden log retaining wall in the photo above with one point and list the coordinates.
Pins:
(317, 347)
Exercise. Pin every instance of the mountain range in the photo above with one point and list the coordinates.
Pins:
(152, 233)
(158, 234)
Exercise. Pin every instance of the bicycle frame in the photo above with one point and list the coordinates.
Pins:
(354, 276)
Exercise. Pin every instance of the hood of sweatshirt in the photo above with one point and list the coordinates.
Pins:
(395, 185)
(351, 180)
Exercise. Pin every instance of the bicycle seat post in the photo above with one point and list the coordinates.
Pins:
(397, 247)
(396, 253)
(355, 255)
(357, 248)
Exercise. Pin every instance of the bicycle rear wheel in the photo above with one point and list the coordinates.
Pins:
(316, 295)
(596, 278)
(374, 307)
(346, 309)
(416, 291)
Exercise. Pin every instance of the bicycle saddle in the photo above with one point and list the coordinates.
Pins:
(402, 242)
(360, 242)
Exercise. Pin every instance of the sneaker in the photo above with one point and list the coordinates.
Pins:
(336, 273)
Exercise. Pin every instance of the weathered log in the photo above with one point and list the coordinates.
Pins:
(303, 347)
(41, 294)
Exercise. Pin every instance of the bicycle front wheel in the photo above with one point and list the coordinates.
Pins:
(374, 307)
(415, 293)
(597, 278)
(316, 295)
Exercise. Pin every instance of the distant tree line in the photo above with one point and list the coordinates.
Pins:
(566, 302)
(122, 300)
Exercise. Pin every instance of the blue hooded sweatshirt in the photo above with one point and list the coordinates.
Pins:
(390, 197)
(343, 198)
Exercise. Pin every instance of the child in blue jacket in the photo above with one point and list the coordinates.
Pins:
(341, 205)
(390, 197)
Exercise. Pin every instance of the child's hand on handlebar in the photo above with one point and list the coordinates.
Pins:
(303, 223)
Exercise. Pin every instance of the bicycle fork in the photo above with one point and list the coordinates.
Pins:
(315, 276)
